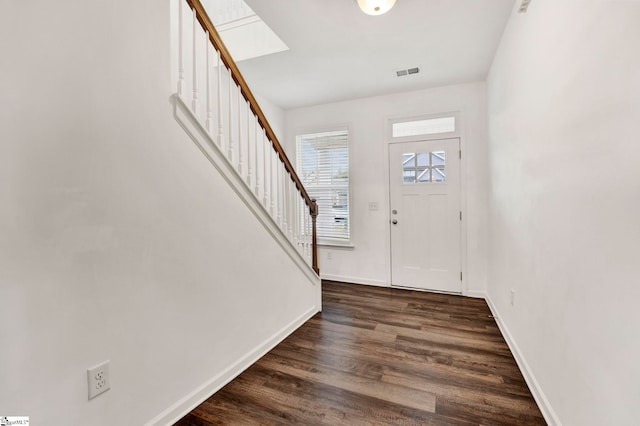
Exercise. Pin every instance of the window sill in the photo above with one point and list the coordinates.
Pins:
(334, 244)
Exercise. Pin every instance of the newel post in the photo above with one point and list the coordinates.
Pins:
(314, 237)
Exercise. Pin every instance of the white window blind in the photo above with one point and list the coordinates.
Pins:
(323, 166)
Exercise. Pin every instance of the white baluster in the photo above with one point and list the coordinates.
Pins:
(296, 228)
(249, 167)
(209, 108)
(294, 221)
(220, 121)
(266, 156)
(240, 165)
(231, 144)
(273, 158)
(290, 216)
(302, 217)
(306, 231)
(195, 105)
(279, 191)
(285, 212)
(299, 227)
(305, 238)
(294, 212)
(257, 163)
(290, 205)
(180, 49)
(309, 234)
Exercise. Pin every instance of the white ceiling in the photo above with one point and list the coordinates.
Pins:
(337, 52)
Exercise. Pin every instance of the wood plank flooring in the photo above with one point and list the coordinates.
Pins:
(380, 356)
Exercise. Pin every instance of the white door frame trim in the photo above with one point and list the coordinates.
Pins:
(458, 133)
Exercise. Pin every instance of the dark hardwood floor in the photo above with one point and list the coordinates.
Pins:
(378, 356)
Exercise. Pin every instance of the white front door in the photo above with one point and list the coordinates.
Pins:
(425, 214)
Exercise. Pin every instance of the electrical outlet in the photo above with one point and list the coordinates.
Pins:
(513, 297)
(329, 255)
(373, 206)
(98, 379)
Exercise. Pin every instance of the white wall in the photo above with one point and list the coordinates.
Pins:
(273, 113)
(564, 114)
(119, 240)
(367, 119)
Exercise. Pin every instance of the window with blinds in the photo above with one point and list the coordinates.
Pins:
(323, 166)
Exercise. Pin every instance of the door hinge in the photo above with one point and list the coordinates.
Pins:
(460, 275)
(460, 153)
(460, 214)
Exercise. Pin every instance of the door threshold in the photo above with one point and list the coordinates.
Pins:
(426, 290)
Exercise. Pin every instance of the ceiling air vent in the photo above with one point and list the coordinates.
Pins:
(524, 6)
(408, 71)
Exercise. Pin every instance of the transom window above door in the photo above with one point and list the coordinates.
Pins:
(423, 167)
(430, 126)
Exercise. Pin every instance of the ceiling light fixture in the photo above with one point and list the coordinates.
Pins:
(376, 7)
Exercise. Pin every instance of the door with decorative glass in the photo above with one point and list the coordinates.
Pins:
(425, 214)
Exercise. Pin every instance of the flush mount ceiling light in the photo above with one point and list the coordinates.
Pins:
(376, 7)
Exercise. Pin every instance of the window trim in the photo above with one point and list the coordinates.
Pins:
(325, 241)
(445, 135)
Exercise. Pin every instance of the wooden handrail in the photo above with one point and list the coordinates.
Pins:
(236, 75)
(217, 42)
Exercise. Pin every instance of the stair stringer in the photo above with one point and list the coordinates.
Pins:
(213, 152)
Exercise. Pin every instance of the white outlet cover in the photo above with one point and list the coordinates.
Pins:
(98, 379)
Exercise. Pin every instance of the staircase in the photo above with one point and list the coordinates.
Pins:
(215, 106)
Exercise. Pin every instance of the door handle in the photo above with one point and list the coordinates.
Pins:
(395, 222)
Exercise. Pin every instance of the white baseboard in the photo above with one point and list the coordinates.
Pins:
(354, 280)
(211, 386)
(475, 294)
(538, 394)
